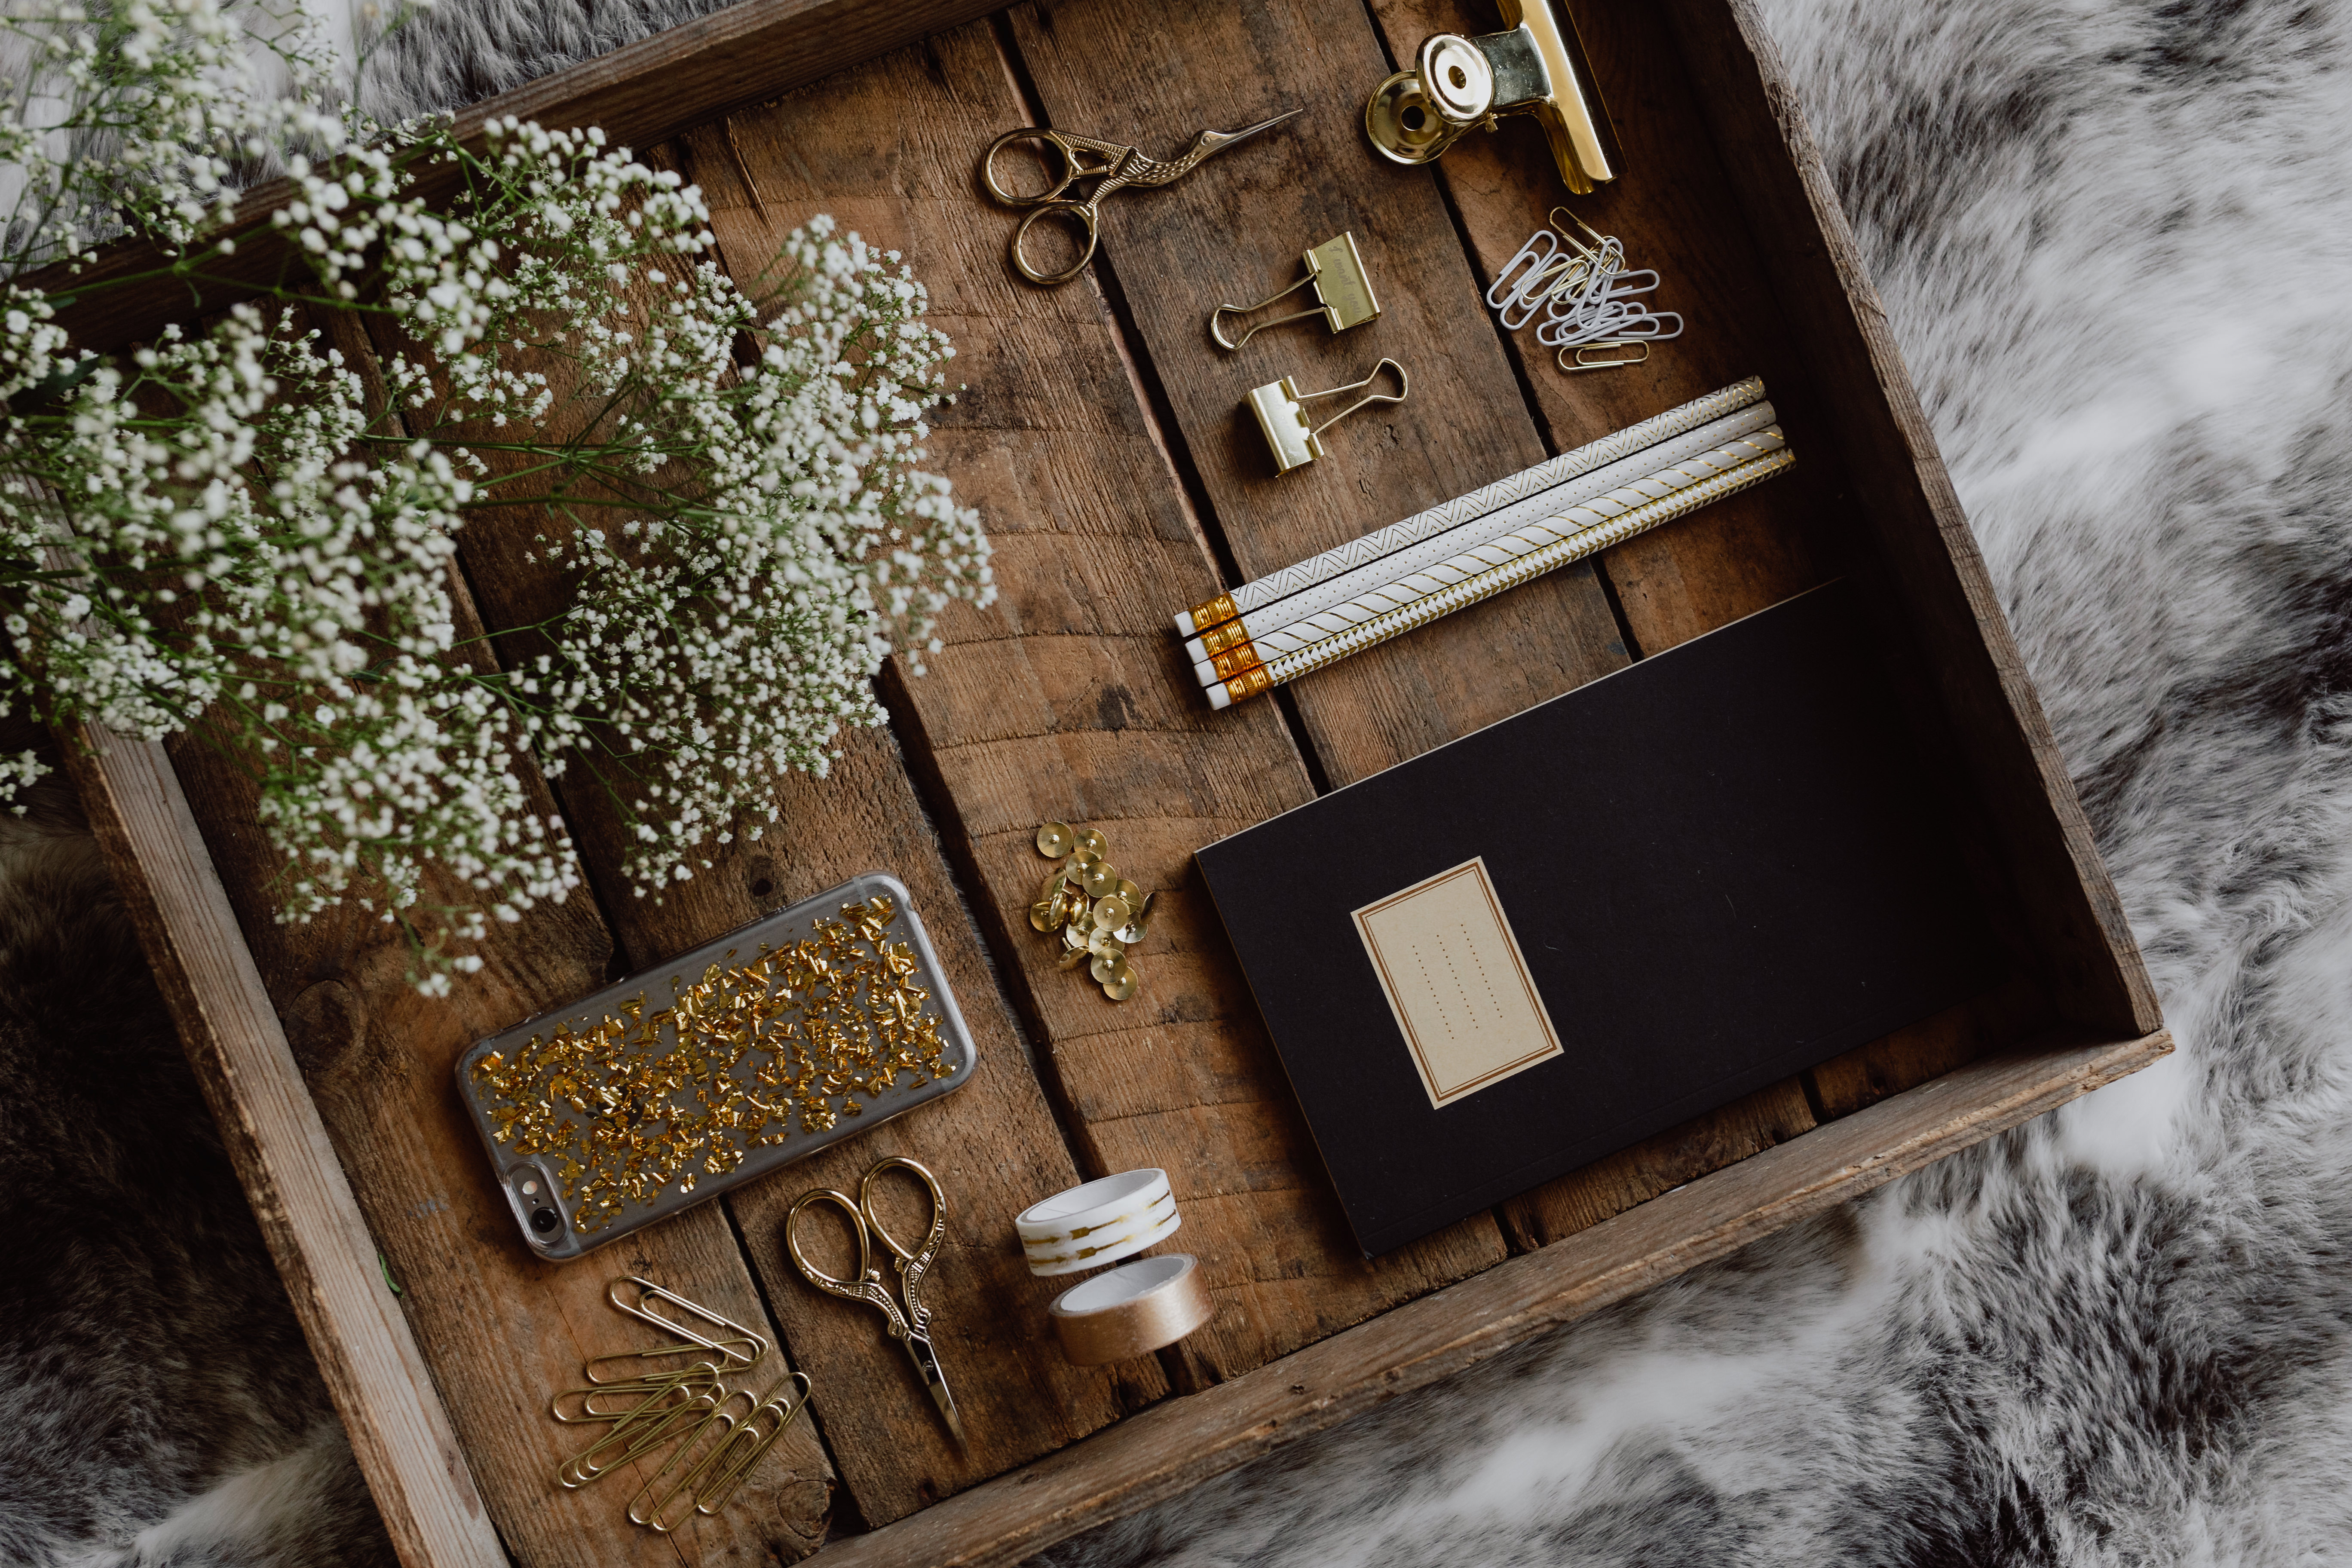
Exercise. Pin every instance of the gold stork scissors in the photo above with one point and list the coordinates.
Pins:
(1114, 166)
(910, 1326)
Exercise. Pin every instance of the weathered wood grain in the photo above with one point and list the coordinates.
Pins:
(1930, 578)
(1233, 231)
(1177, 1445)
(2015, 1010)
(501, 1330)
(1632, 1176)
(1064, 701)
(994, 1143)
(399, 1430)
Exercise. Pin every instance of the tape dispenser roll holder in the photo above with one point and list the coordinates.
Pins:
(1461, 84)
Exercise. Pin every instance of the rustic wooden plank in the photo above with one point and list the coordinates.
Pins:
(640, 94)
(1233, 231)
(1064, 701)
(994, 1143)
(1179, 1444)
(1928, 574)
(1674, 208)
(399, 1430)
(1659, 1163)
(1466, 424)
(501, 1330)
(2015, 1010)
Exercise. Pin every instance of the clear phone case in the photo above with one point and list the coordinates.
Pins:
(801, 1029)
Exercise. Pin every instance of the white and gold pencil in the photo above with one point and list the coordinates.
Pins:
(1293, 624)
(1261, 593)
(1571, 543)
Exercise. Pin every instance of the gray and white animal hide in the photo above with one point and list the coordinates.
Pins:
(160, 1405)
(2116, 240)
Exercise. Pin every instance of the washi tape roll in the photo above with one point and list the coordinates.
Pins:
(1132, 1309)
(1098, 1222)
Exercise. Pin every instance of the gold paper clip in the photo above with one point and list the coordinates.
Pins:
(1281, 414)
(685, 1347)
(639, 1432)
(1342, 290)
(738, 1339)
(693, 1378)
(712, 1477)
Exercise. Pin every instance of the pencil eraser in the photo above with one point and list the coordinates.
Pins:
(1184, 627)
(1205, 673)
(1197, 646)
(1219, 697)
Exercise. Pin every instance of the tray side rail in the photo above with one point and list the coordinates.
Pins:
(398, 1428)
(1177, 1445)
(1913, 517)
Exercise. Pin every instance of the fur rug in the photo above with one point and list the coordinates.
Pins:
(2113, 240)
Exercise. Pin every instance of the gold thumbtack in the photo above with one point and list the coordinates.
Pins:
(1335, 276)
(1281, 414)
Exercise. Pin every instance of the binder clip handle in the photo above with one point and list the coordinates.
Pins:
(1343, 288)
(1217, 324)
(1404, 388)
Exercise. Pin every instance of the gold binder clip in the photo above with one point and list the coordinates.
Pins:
(1281, 414)
(1460, 84)
(1342, 290)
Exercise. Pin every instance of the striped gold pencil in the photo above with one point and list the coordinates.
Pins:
(1573, 544)
(1261, 593)
(1319, 597)
(1566, 508)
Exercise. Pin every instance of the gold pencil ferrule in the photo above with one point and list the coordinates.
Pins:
(1248, 684)
(1234, 661)
(1216, 639)
(1216, 612)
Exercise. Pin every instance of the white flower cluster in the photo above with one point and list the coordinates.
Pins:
(222, 531)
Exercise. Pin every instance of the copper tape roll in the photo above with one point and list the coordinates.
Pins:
(1132, 1309)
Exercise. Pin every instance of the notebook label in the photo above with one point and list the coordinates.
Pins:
(1456, 982)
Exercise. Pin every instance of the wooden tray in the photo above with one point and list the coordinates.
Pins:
(1100, 433)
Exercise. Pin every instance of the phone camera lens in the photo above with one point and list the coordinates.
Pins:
(544, 1220)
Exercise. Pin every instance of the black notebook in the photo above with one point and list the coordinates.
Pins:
(1571, 930)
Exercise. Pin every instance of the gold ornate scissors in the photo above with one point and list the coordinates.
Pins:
(909, 1327)
(1111, 165)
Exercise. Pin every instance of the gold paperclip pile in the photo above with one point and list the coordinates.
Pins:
(719, 1433)
(1099, 914)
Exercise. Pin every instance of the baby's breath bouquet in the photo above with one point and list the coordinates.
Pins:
(239, 529)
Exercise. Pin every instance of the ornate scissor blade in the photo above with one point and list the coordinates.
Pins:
(926, 1364)
(1219, 140)
(1142, 170)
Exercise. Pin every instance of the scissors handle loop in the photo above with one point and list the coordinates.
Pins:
(939, 1226)
(1083, 158)
(868, 1287)
(916, 1261)
(1083, 212)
